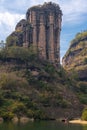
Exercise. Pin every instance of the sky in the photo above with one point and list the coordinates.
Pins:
(74, 18)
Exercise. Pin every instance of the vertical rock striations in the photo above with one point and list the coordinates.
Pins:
(42, 30)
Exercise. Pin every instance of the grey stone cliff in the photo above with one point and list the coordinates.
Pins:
(41, 28)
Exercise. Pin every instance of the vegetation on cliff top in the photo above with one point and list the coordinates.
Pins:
(76, 56)
(77, 43)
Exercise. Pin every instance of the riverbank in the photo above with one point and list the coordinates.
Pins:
(79, 121)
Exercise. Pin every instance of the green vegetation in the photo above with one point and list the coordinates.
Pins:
(85, 60)
(17, 53)
(83, 87)
(29, 85)
(79, 42)
(84, 114)
(79, 37)
(82, 92)
(76, 56)
(11, 41)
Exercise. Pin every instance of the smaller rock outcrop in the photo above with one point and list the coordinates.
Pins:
(75, 58)
(21, 26)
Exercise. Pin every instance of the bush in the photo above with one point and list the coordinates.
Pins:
(10, 41)
(1, 100)
(40, 114)
(84, 114)
(83, 87)
(9, 81)
(83, 98)
(18, 53)
(85, 60)
(19, 108)
(49, 68)
(45, 100)
(7, 115)
(30, 113)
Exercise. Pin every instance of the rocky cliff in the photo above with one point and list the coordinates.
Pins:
(75, 58)
(41, 29)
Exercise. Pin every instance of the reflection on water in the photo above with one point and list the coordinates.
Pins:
(42, 125)
(84, 127)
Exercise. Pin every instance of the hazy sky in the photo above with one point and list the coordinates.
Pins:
(74, 18)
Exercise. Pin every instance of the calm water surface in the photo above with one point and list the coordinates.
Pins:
(42, 125)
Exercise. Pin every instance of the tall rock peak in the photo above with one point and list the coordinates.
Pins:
(41, 28)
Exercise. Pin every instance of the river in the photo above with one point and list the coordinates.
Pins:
(42, 125)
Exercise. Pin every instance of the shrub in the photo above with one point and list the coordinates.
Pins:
(18, 53)
(85, 60)
(30, 113)
(10, 41)
(1, 100)
(19, 108)
(7, 115)
(50, 69)
(83, 87)
(84, 114)
(83, 98)
(45, 100)
(9, 81)
(39, 114)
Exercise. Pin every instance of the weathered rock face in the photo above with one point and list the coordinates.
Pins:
(42, 30)
(76, 57)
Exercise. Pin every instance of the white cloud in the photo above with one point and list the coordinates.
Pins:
(9, 19)
(73, 11)
(7, 23)
(71, 6)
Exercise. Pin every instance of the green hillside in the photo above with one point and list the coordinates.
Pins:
(33, 87)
